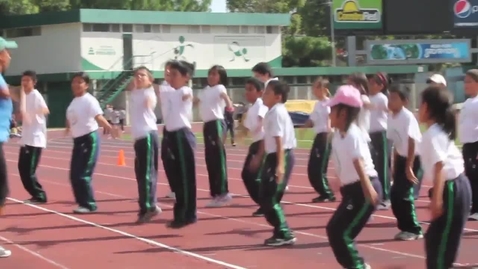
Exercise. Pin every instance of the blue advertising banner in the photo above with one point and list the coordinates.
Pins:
(465, 13)
(418, 51)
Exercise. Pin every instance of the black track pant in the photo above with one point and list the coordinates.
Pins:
(442, 239)
(470, 156)
(82, 165)
(28, 160)
(251, 178)
(180, 165)
(4, 190)
(230, 130)
(402, 196)
(318, 163)
(146, 170)
(215, 155)
(272, 192)
(381, 159)
(348, 221)
(165, 156)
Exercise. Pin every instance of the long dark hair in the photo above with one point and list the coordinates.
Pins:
(382, 79)
(359, 81)
(440, 108)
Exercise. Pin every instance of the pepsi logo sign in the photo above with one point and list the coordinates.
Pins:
(463, 9)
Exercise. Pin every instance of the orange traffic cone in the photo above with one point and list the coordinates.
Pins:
(121, 159)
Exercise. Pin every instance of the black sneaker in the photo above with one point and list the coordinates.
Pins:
(258, 213)
(174, 224)
(323, 199)
(276, 241)
(146, 217)
(35, 201)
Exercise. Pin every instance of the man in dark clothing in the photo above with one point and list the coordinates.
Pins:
(229, 119)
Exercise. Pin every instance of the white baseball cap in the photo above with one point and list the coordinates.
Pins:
(437, 78)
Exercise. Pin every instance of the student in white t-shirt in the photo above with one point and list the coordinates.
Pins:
(33, 139)
(84, 114)
(354, 167)
(320, 151)
(263, 72)
(380, 146)
(180, 143)
(443, 165)
(404, 132)
(211, 108)
(143, 100)
(108, 113)
(253, 124)
(359, 81)
(279, 144)
(122, 118)
(468, 133)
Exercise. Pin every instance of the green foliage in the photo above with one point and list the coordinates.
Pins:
(306, 51)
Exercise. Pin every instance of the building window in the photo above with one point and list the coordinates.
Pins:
(116, 28)
(156, 28)
(206, 29)
(87, 27)
(21, 32)
(128, 28)
(142, 28)
(269, 29)
(244, 29)
(194, 29)
(166, 29)
(238, 81)
(259, 30)
(233, 29)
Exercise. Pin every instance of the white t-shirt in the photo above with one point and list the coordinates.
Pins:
(179, 115)
(320, 116)
(142, 117)
(437, 147)
(345, 150)
(269, 80)
(115, 117)
(34, 128)
(211, 105)
(468, 125)
(164, 88)
(256, 111)
(81, 115)
(402, 126)
(378, 113)
(108, 113)
(277, 123)
(364, 118)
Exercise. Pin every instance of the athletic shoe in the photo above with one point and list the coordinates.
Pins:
(365, 266)
(258, 213)
(146, 217)
(171, 195)
(385, 205)
(407, 236)
(35, 201)
(83, 210)
(220, 201)
(473, 217)
(323, 199)
(275, 241)
(4, 253)
(180, 224)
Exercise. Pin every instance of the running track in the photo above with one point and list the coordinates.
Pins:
(48, 236)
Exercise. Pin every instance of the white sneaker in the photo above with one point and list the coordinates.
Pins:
(286, 188)
(171, 195)
(473, 217)
(220, 201)
(4, 253)
(406, 236)
(385, 205)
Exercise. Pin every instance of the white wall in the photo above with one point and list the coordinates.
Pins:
(101, 51)
(56, 50)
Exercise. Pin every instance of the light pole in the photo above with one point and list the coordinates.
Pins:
(332, 34)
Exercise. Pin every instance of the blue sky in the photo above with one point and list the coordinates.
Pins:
(218, 6)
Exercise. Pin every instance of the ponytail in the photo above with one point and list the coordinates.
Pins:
(327, 92)
(449, 123)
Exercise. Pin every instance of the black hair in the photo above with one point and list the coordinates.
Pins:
(403, 92)
(222, 73)
(168, 63)
(263, 69)
(382, 79)
(360, 81)
(440, 108)
(352, 114)
(279, 88)
(258, 85)
(82, 75)
(473, 74)
(183, 67)
(30, 73)
(143, 68)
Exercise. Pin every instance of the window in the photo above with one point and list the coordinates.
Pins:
(233, 29)
(238, 81)
(21, 32)
(259, 30)
(194, 29)
(269, 29)
(206, 29)
(128, 28)
(116, 28)
(301, 80)
(97, 27)
(166, 29)
(244, 29)
(156, 28)
(87, 27)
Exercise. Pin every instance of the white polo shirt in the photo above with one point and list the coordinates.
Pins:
(34, 129)
(402, 126)
(378, 113)
(364, 118)
(437, 147)
(163, 99)
(345, 150)
(180, 112)
(256, 111)
(211, 105)
(320, 116)
(468, 125)
(81, 115)
(142, 117)
(277, 123)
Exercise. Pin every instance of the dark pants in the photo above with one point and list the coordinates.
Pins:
(167, 154)
(442, 239)
(318, 163)
(82, 165)
(381, 159)
(121, 124)
(146, 170)
(180, 165)
(230, 129)
(402, 198)
(272, 192)
(348, 221)
(215, 155)
(4, 190)
(28, 160)
(251, 178)
(470, 156)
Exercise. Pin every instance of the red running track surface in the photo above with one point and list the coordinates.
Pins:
(48, 236)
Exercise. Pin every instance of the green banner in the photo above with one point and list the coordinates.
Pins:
(357, 14)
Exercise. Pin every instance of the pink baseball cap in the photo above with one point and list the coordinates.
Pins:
(346, 95)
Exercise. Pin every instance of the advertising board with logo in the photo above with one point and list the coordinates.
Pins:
(418, 51)
(357, 14)
(465, 13)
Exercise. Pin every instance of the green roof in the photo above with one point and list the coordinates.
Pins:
(144, 17)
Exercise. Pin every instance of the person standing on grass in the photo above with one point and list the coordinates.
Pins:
(83, 115)
(320, 151)
(144, 131)
(468, 132)
(6, 108)
(33, 139)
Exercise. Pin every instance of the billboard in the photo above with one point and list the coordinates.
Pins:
(465, 13)
(357, 14)
(418, 51)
